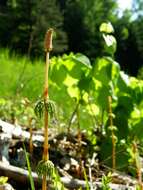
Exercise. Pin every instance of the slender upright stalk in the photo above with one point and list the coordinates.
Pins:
(112, 133)
(31, 134)
(79, 139)
(138, 164)
(71, 118)
(78, 125)
(48, 48)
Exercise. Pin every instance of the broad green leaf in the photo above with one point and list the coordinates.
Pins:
(70, 81)
(106, 27)
(82, 59)
(80, 66)
(137, 129)
(122, 112)
(3, 180)
(85, 98)
(73, 92)
(110, 40)
(125, 103)
(103, 94)
(93, 109)
(106, 70)
(85, 83)
(2, 101)
(77, 71)
(125, 78)
(58, 74)
(123, 83)
(110, 44)
(135, 114)
(136, 89)
(68, 63)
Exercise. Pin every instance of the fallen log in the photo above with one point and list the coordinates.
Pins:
(16, 132)
(16, 173)
(21, 176)
(6, 186)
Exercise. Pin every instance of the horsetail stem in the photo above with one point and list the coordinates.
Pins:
(138, 164)
(48, 48)
(112, 133)
(31, 134)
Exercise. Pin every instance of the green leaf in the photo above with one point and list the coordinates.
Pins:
(137, 129)
(3, 180)
(123, 83)
(110, 40)
(73, 92)
(85, 83)
(70, 81)
(125, 103)
(106, 70)
(93, 109)
(103, 93)
(106, 27)
(110, 44)
(82, 59)
(123, 111)
(137, 89)
(58, 74)
(29, 169)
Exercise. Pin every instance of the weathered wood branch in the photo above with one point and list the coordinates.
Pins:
(16, 173)
(21, 176)
(17, 132)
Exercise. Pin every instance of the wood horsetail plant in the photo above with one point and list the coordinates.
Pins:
(46, 107)
(137, 161)
(112, 128)
(31, 135)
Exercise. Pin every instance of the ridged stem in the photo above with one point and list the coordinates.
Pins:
(48, 48)
(112, 133)
(31, 134)
(138, 165)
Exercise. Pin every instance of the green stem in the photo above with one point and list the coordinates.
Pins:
(71, 118)
(112, 134)
(31, 134)
(138, 164)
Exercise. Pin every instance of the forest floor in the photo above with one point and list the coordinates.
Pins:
(73, 156)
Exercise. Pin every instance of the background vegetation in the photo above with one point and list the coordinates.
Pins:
(105, 62)
(23, 24)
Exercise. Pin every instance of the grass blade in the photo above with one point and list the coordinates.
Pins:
(29, 169)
